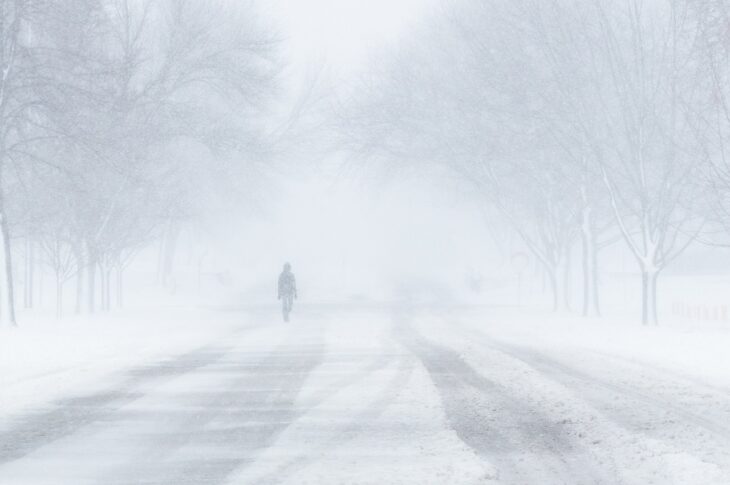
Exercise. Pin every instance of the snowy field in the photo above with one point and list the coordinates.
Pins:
(47, 358)
(460, 394)
(503, 227)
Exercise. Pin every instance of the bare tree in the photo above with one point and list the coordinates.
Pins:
(649, 51)
(491, 118)
(98, 100)
(710, 115)
(16, 99)
(153, 77)
(573, 118)
(59, 256)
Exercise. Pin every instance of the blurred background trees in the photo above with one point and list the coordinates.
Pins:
(575, 124)
(581, 122)
(110, 112)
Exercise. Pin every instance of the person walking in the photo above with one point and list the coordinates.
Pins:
(287, 290)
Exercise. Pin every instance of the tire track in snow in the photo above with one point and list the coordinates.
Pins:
(29, 432)
(346, 432)
(215, 432)
(636, 410)
(680, 381)
(524, 444)
(558, 370)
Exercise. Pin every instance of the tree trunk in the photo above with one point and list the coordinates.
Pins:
(587, 277)
(91, 281)
(29, 273)
(40, 288)
(590, 265)
(594, 277)
(8, 263)
(120, 287)
(105, 279)
(79, 254)
(169, 254)
(653, 298)
(200, 274)
(102, 290)
(556, 286)
(108, 289)
(104, 283)
(566, 279)
(160, 257)
(26, 270)
(649, 297)
(59, 295)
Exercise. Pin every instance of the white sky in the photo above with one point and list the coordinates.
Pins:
(343, 33)
(344, 236)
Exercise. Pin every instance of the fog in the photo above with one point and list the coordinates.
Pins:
(349, 241)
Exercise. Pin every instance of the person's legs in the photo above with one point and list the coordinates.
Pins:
(286, 303)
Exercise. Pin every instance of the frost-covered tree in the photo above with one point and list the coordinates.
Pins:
(108, 95)
(646, 73)
(573, 118)
(18, 77)
(710, 115)
(476, 96)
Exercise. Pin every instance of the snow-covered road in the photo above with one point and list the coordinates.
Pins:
(379, 396)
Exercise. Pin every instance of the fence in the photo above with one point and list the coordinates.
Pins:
(701, 312)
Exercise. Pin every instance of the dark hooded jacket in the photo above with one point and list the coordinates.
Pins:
(287, 284)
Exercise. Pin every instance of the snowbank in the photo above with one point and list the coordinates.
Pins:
(696, 350)
(46, 358)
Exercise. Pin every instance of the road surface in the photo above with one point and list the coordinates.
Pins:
(381, 396)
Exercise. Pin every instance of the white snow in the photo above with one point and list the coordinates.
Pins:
(377, 396)
(652, 404)
(370, 414)
(46, 358)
